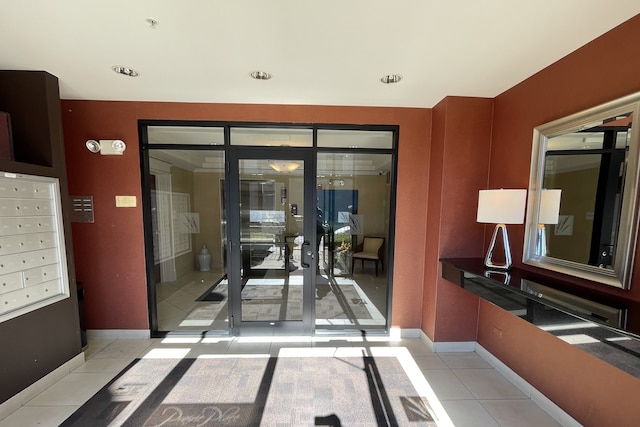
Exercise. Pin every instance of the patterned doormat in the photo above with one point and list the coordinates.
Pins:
(280, 302)
(337, 302)
(254, 391)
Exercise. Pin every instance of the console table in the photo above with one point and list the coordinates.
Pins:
(604, 326)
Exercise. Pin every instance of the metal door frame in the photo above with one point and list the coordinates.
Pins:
(289, 152)
(238, 327)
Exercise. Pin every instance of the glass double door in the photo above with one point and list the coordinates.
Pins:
(273, 252)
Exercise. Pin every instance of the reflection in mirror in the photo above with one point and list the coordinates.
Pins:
(590, 160)
(549, 214)
(584, 308)
(588, 166)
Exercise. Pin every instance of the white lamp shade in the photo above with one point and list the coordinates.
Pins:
(549, 206)
(501, 206)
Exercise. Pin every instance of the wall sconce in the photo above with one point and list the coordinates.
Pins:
(500, 207)
(107, 147)
(549, 214)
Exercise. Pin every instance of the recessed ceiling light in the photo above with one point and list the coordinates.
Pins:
(126, 71)
(153, 24)
(391, 78)
(261, 75)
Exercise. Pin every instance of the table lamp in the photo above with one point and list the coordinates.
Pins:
(549, 214)
(500, 207)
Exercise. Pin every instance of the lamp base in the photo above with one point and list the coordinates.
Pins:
(504, 275)
(541, 243)
(488, 260)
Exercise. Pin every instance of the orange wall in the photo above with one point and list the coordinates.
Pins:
(601, 71)
(110, 252)
(590, 390)
(460, 147)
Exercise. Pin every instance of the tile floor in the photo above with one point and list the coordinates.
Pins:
(179, 310)
(469, 390)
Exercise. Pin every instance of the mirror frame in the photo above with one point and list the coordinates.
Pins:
(624, 254)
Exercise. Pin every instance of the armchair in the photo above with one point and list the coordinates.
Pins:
(371, 249)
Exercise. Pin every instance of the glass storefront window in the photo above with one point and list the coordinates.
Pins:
(185, 135)
(355, 139)
(272, 137)
(189, 239)
(353, 194)
(277, 277)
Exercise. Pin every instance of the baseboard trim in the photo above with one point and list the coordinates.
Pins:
(410, 333)
(118, 334)
(425, 339)
(14, 403)
(454, 347)
(448, 347)
(540, 399)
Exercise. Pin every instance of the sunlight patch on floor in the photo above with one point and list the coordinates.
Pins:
(577, 325)
(578, 339)
(180, 340)
(167, 353)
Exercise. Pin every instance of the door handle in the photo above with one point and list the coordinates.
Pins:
(306, 251)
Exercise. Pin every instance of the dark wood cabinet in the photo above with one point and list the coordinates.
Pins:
(44, 339)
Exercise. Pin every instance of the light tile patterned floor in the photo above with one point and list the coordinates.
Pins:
(468, 389)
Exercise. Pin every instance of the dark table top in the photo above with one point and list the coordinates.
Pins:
(608, 323)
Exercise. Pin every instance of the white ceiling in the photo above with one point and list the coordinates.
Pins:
(330, 52)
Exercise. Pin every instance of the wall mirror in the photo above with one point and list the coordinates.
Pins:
(587, 226)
